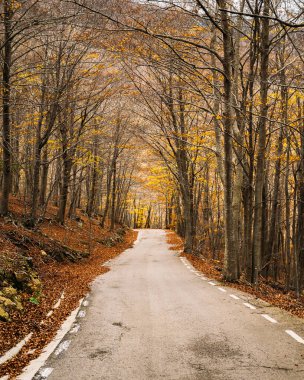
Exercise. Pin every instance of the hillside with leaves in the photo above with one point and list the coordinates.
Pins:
(149, 114)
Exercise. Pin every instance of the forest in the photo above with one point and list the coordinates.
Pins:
(185, 115)
(178, 115)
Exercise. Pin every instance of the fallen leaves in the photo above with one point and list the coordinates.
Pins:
(265, 291)
(73, 278)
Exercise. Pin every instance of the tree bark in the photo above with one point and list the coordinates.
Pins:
(6, 99)
(260, 167)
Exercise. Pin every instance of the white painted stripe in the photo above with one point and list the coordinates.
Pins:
(81, 314)
(85, 303)
(266, 316)
(222, 290)
(45, 372)
(30, 371)
(212, 283)
(57, 304)
(249, 305)
(75, 329)
(15, 350)
(234, 296)
(295, 336)
(62, 347)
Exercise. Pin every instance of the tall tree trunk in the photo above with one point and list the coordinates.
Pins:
(44, 177)
(6, 99)
(67, 166)
(230, 260)
(260, 166)
(300, 199)
(113, 205)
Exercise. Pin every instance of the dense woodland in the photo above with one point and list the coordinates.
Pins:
(187, 115)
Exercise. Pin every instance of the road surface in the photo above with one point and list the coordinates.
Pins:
(153, 317)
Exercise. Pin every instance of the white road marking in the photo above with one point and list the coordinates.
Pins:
(85, 303)
(266, 316)
(295, 336)
(45, 372)
(75, 329)
(212, 283)
(62, 347)
(222, 290)
(234, 296)
(14, 350)
(57, 304)
(249, 305)
(34, 366)
(81, 314)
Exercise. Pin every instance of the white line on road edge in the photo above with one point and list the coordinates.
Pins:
(15, 350)
(212, 283)
(45, 372)
(34, 366)
(295, 336)
(81, 314)
(266, 316)
(249, 305)
(62, 347)
(75, 329)
(234, 297)
(222, 290)
(57, 304)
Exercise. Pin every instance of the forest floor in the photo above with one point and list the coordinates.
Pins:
(267, 291)
(67, 280)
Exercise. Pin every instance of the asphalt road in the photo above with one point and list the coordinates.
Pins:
(153, 317)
